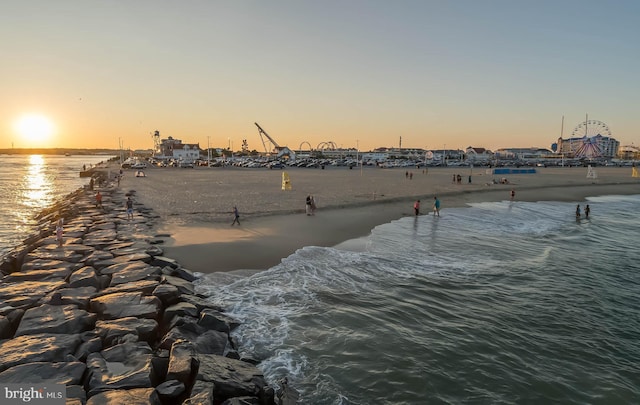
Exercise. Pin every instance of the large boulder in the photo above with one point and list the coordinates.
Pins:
(203, 339)
(47, 347)
(183, 362)
(84, 277)
(39, 275)
(145, 329)
(65, 319)
(26, 294)
(79, 297)
(121, 305)
(136, 396)
(57, 373)
(231, 378)
(123, 366)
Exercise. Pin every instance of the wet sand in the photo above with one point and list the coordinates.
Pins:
(195, 205)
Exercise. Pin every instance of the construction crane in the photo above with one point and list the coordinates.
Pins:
(263, 134)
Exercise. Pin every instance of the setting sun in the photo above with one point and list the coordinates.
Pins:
(34, 128)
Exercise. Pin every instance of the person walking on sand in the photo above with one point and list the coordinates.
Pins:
(313, 205)
(416, 207)
(587, 210)
(98, 200)
(236, 216)
(129, 205)
(513, 194)
(436, 206)
(308, 205)
(59, 231)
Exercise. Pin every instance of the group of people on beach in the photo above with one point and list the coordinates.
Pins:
(587, 211)
(436, 207)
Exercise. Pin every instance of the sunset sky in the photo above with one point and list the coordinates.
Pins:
(484, 73)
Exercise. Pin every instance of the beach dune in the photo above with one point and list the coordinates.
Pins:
(195, 205)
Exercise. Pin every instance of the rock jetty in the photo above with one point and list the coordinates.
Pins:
(114, 320)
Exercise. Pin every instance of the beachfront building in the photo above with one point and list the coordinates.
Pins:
(629, 152)
(171, 148)
(524, 154)
(185, 152)
(478, 154)
(591, 147)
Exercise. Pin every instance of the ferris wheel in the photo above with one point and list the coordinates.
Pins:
(589, 132)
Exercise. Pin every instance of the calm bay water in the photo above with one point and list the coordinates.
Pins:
(29, 183)
(498, 303)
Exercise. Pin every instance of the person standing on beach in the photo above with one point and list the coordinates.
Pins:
(513, 194)
(236, 216)
(436, 206)
(416, 207)
(129, 205)
(587, 210)
(308, 205)
(578, 211)
(313, 206)
(98, 200)
(60, 231)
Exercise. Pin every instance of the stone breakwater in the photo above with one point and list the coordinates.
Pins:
(114, 320)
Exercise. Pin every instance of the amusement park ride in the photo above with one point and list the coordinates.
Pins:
(587, 135)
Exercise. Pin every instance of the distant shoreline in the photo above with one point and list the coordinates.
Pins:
(58, 151)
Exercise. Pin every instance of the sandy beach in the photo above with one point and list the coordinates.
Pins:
(195, 205)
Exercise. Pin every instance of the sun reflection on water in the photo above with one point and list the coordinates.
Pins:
(37, 185)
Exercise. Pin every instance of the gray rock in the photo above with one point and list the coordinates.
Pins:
(162, 261)
(136, 396)
(52, 252)
(65, 319)
(57, 373)
(231, 378)
(47, 347)
(199, 302)
(145, 329)
(201, 394)
(126, 266)
(180, 309)
(146, 287)
(130, 275)
(84, 277)
(97, 256)
(41, 264)
(184, 286)
(87, 347)
(216, 320)
(170, 390)
(38, 275)
(203, 340)
(6, 329)
(76, 393)
(123, 366)
(26, 294)
(183, 362)
(154, 251)
(121, 305)
(167, 293)
(74, 296)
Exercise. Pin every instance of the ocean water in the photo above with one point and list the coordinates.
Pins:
(497, 303)
(29, 183)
